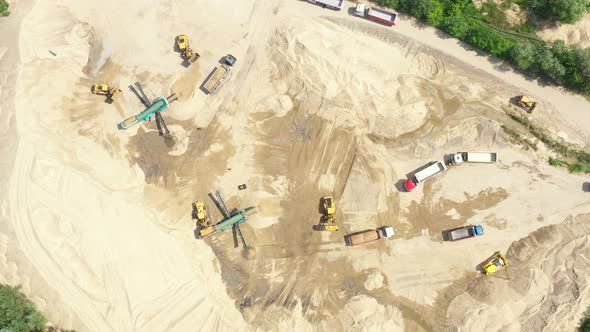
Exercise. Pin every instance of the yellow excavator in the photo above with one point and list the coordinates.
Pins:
(104, 89)
(494, 263)
(185, 50)
(205, 227)
(329, 220)
(526, 103)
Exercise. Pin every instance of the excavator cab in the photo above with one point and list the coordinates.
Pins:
(526, 103)
(104, 89)
(182, 42)
(494, 263)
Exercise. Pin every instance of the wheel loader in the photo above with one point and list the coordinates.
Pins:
(104, 89)
(494, 263)
(526, 103)
(329, 220)
(185, 50)
(205, 227)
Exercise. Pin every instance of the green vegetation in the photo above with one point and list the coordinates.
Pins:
(487, 28)
(4, 8)
(17, 313)
(565, 11)
(585, 325)
(574, 159)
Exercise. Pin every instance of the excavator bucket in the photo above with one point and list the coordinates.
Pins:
(206, 231)
(332, 228)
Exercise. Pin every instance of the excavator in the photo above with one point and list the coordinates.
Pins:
(187, 53)
(205, 227)
(329, 220)
(526, 103)
(494, 263)
(104, 89)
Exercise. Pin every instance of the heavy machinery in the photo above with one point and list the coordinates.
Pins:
(187, 53)
(233, 219)
(329, 219)
(494, 263)
(205, 227)
(526, 103)
(152, 110)
(219, 74)
(104, 89)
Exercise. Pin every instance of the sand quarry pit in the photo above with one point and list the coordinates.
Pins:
(96, 222)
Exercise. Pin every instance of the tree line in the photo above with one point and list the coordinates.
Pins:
(555, 62)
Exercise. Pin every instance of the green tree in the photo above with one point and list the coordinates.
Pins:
(457, 26)
(436, 16)
(548, 64)
(489, 40)
(566, 11)
(17, 313)
(419, 8)
(523, 55)
(4, 8)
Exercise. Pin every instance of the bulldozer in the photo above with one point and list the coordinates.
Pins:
(187, 53)
(526, 103)
(329, 220)
(205, 227)
(104, 89)
(494, 263)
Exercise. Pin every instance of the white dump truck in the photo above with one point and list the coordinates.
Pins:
(434, 168)
(376, 14)
(475, 157)
(333, 4)
(219, 74)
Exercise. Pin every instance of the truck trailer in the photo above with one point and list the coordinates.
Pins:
(376, 14)
(434, 168)
(219, 74)
(464, 232)
(333, 4)
(475, 157)
(369, 235)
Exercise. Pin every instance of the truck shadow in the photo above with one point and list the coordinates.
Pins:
(399, 185)
(586, 187)
(448, 159)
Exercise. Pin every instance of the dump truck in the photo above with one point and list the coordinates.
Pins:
(219, 74)
(187, 53)
(464, 232)
(375, 14)
(474, 157)
(434, 168)
(329, 220)
(526, 103)
(369, 235)
(333, 4)
(104, 89)
(494, 263)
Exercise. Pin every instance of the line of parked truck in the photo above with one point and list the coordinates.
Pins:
(372, 13)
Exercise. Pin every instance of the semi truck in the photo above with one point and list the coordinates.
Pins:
(375, 14)
(464, 232)
(369, 235)
(434, 168)
(219, 74)
(475, 157)
(333, 4)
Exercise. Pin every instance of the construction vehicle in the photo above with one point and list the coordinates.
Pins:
(329, 219)
(242, 186)
(465, 232)
(233, 219)
(187, 53)
(494, 263)
(152, 110)
(474, 157)
(433, 168)
(332, 4)
(104, 89)
(526, 103)
(219, 74)
(375, 14)
(205, 227)
(369, 235)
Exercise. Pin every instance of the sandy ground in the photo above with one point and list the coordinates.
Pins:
(577, 33)
(96, 222)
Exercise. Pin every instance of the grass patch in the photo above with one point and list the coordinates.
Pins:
(4, 8)
(494, 15)
(574, 159)
(518, 138)
(17, 313)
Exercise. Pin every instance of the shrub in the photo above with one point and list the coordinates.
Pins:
(17, 313)
(4, 8)
(566, 11)
(523, 55)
